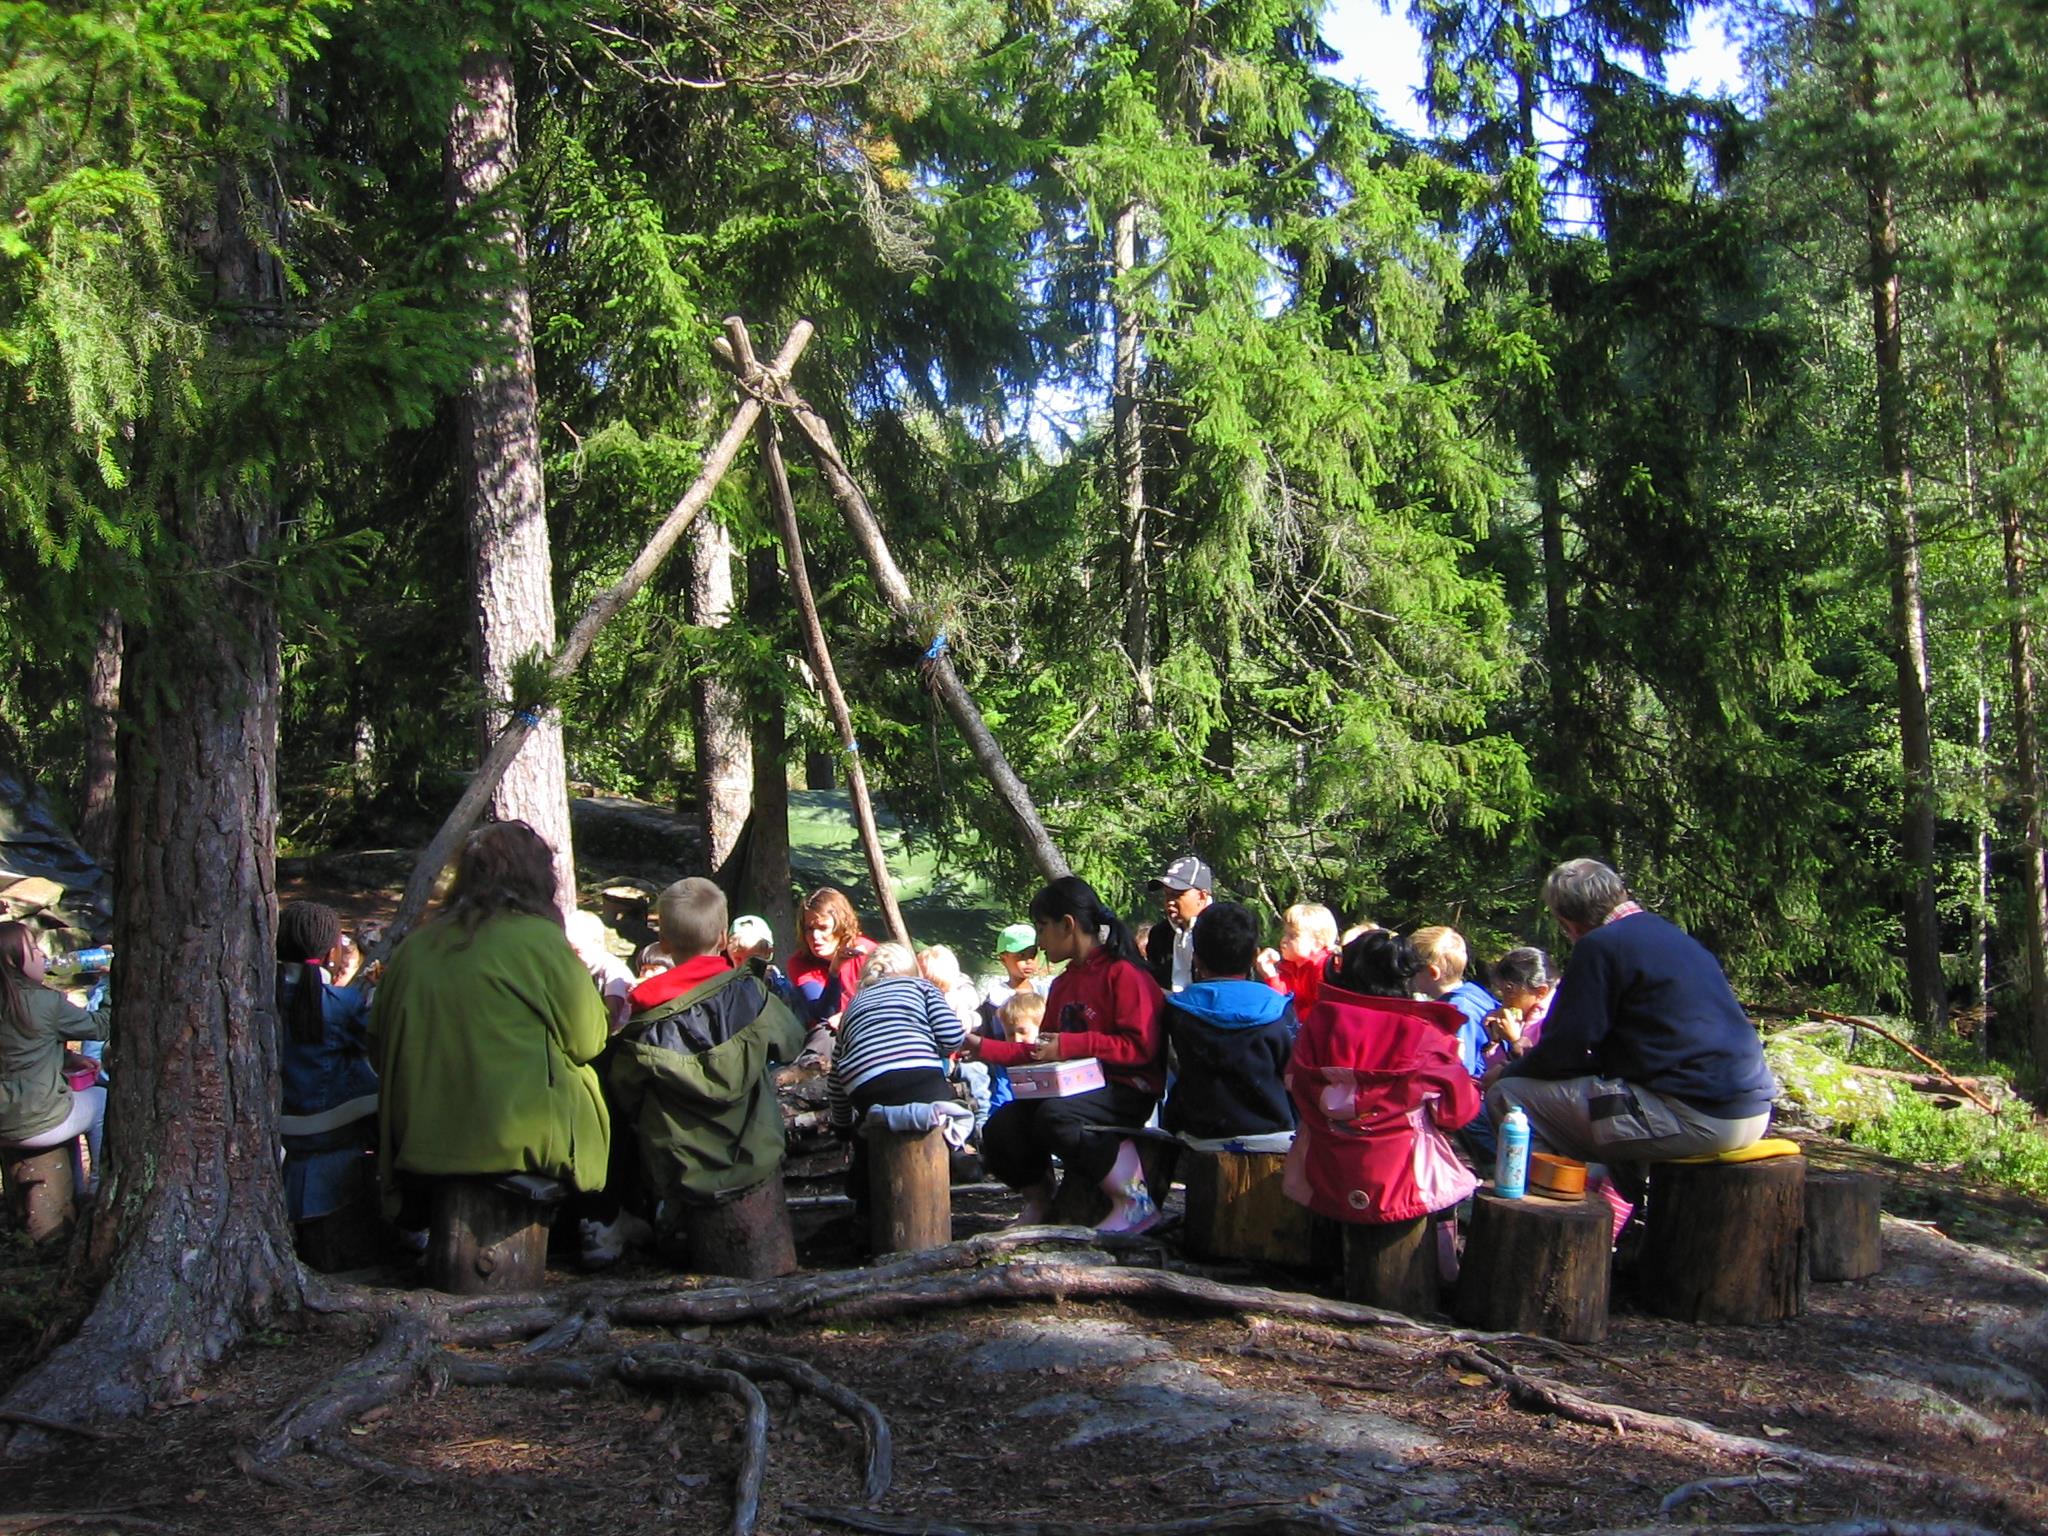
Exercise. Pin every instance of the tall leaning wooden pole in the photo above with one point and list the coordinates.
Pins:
(570, 654)
(769, 438)
(895, 589)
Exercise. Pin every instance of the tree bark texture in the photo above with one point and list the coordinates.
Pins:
(99, 825)
(1536, 1265)
(189, 1233)
(1927, 993)
(1726, 1242)
(498, 444)
(768, 888)
(1128, 434)
(725, 754)
(1844, 1224)
(600, 611)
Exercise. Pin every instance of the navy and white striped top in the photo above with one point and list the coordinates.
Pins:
(892, 1025)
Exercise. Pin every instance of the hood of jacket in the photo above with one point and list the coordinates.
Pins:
(1232, 1004)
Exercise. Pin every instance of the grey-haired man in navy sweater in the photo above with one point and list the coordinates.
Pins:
(1645, 1055)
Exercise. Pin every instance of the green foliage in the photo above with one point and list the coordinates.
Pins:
(2006, 1150)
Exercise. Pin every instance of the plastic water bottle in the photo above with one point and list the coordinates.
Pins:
(1511, 1172)
(82, 962)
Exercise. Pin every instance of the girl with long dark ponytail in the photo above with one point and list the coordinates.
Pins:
(330, 1087)
(1105, 1005)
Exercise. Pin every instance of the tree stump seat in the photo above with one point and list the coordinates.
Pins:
(1725, 1240)
(1236, 1209)
(39, 1192)
(1537, 1265)
(910, 1191)
(1393, 1264)
(488, 1234)
(1844, 1237)
(746, 1237)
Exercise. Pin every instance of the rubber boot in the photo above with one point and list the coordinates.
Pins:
(1037, 1203)
(1617, 1203)
(1131, 1209)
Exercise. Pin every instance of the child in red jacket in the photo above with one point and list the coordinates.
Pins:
(1106, 1005)
(1377, 1080)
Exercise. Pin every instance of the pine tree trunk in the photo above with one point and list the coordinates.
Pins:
(767, 890)
(189, 1234)
(1927, 993)
(2026, 725)
(99, 828)
(498, 443)
(725, 757)
(1128, 423)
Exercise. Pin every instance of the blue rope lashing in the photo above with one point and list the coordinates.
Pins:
(937, 648)
(530, 718)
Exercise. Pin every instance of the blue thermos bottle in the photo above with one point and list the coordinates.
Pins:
(1511, 1172)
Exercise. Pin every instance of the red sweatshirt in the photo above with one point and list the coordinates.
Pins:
(1302, 980)
(1105, 1008)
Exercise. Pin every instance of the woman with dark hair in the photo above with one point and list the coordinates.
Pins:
(38, 1108)
(1105, 1005)
(1377, 1082)
(484, 1028)
(330, 1088)
(825, 969)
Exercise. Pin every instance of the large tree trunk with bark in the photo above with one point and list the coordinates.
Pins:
(99, 827)
(725, 757)
(1928, 994)
(498, 442)
(189, 1234)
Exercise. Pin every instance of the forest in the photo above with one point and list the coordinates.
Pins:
(1183, 456)
(1612, 470)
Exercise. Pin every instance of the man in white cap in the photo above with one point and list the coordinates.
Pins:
(1185, 891)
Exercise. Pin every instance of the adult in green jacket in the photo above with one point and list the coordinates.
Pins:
(484, 1028)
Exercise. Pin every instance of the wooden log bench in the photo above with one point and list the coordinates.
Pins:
(1725, 1238)
(910, 1191)
(1236, 1209)
(488, 1235)
(39, 1192)
(1537, 1265)
(1844, 1236)
(748, 1237)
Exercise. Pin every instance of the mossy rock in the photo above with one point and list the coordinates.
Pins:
(1821, 1091)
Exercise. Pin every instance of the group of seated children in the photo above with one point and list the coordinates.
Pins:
(659, 1093)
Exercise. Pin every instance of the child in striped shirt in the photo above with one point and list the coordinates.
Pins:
(893, 1043)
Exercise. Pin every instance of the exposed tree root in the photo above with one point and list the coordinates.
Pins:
(1714, 1487)
(666, 1370)
(804, 1377)
(1550, 1397)
(566, 1341)
(21, 1525)
(1265, 1520)
(55, 1426)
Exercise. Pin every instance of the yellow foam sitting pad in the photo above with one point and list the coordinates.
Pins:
(1756, 1152)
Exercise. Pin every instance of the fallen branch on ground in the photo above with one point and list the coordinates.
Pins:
(1910, 1049)
(1714, 1487)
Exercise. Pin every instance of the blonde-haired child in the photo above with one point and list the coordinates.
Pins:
(1444, 957)
(1308, 942)
(1022, 1016)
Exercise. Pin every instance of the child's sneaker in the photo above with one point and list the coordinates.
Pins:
(605, 1243)
(1131, 1215)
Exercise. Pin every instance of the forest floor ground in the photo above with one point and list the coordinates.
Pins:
(1107, 1415)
